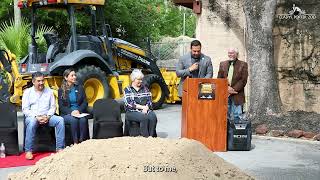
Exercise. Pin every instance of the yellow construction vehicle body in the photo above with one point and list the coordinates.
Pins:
(124, 64)
(170, 77)
(30, 3)
(18, 83)
(93, 87)
(172, 81)
(90, 2)
(131, 49)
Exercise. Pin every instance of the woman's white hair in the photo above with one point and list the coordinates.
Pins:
(136, 73)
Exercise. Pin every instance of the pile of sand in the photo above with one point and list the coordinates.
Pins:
(133, 158)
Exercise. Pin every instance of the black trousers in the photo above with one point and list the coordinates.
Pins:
(148, 122)
(77, 124)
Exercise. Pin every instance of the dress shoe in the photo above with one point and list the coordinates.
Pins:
(29, 155)
(59, 150)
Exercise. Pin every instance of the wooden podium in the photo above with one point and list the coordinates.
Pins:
(204, 112)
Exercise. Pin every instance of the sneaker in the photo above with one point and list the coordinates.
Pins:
(29, 155)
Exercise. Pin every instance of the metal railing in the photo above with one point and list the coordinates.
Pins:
(169, 50)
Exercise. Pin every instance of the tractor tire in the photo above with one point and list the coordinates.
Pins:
(94, 82)
(157, 89)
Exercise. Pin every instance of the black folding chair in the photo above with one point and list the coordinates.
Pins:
(44, 140)
(106, 119)
(9, 128)
(132, 128)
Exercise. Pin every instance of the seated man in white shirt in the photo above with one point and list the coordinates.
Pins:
(38, 106)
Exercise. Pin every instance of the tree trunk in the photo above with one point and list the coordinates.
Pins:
(264, 91)
(17, 13)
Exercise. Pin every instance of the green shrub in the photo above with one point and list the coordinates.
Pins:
(16, 38)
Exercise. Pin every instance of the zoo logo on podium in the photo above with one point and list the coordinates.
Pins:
(296, 13)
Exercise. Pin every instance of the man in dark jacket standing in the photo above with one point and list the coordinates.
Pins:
(237, 73)
(193, 65)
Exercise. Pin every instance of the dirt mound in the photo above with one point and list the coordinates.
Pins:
(133, 158)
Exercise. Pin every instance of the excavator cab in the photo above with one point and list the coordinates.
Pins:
(48, 62)
(103, 64)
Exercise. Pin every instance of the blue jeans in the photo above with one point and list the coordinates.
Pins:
(77, 124)
(234, 111)
(31, 127)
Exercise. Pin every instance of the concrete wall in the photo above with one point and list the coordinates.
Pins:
(219, 27)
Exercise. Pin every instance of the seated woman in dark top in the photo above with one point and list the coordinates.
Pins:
(72, 102)
(138, 105)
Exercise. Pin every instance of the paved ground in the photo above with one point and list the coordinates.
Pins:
(274, 158)
(270, 158)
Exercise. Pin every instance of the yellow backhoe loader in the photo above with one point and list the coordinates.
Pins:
(103, 63)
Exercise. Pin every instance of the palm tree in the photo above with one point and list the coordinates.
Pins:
(16, 38)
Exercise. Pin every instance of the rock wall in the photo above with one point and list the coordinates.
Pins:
(297, 53)
(296, 45)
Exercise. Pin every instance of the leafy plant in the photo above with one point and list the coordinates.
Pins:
(42, 45)
(6, 9)
(135, 20)
(16, 38)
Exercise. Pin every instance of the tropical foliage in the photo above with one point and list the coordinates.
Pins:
(16, 38)
(6, 9)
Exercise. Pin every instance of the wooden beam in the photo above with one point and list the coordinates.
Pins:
(195, 5)
(185, 3)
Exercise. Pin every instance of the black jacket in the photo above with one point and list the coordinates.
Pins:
(64, 104)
